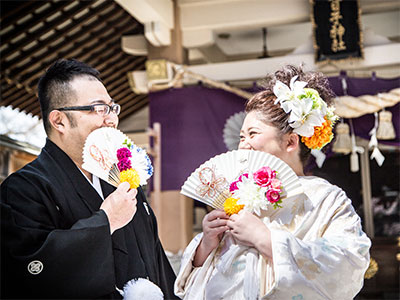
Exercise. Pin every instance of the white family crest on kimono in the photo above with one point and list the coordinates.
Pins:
(319, 252)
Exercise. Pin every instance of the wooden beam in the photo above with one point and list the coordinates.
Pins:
(134, 109)
(115, 83)
(374, 56)
(24, 8)
(64, 32)
(125, 92)
(20, 101)
(117, 57)
(35, 19)
(12, 93)
(130, 98)
(146, 11)
(128, 66)
(107, 57)
(140, 102)
(213, 54)
(31, 104)
(116, 91)
(36, 110)
(111, 83)
(241, 14)
(121, 66)
(69, 42)
(75, 50)
(47, 26)
(175, 51)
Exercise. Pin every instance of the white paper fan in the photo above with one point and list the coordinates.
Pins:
(210, 182)
(100, 155)
(231, 133)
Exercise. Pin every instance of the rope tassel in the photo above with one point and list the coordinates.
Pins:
(343, 141)
(385, 129)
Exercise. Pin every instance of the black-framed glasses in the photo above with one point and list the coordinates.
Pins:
(101, 109)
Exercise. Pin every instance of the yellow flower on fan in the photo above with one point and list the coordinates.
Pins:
(231, 207)
(131, 176)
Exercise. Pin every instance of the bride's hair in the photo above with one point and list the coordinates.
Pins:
(272, 114)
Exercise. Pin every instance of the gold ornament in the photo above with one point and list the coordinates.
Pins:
(372, 269)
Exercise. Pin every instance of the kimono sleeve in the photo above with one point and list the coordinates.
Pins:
(191, 281)
(68, 263)
(331, 266)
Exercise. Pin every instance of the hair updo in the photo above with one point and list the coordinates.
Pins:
(272, 114)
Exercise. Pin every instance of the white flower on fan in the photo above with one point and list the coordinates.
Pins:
(141, 163)
(285, 95)
(251, 195)
(303, 118)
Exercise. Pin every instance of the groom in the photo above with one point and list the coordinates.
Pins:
(65, 233)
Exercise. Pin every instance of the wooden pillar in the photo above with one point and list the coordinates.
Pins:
(174, 52)
(367, 195)
(155, 152)
(174, 211)
(175, 220)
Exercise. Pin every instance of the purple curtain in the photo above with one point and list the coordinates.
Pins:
(192, 121)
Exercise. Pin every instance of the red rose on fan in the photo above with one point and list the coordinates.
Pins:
(264, 176)
(273, 195)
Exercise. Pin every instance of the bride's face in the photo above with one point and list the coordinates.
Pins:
(256, 135)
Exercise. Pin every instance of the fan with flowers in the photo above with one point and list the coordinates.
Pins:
(243, 179)
(113, 157)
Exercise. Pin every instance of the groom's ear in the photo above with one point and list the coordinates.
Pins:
(57, 121)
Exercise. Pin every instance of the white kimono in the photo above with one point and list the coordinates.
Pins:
(319, 252)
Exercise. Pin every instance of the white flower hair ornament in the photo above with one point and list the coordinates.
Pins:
(309, 115)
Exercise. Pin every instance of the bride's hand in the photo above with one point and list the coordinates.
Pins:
(214, 226)
(250, 231)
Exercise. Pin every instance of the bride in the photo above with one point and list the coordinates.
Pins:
(313, 248)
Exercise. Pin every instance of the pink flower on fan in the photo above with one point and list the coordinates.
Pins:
(264, 176)
(233, 186)
(123, 153)
(124, 164)
(276, 184)
(273, 195)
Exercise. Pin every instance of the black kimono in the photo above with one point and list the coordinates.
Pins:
(56, 243)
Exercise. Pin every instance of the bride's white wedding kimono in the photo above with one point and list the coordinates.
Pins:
(319, 252)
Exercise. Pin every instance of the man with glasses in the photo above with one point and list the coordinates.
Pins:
(65, 233)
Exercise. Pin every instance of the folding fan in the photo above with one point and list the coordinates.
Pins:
(231, 132)
(210, 182)
(108, 153)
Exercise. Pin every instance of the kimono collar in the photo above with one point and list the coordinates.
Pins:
(81, 185)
